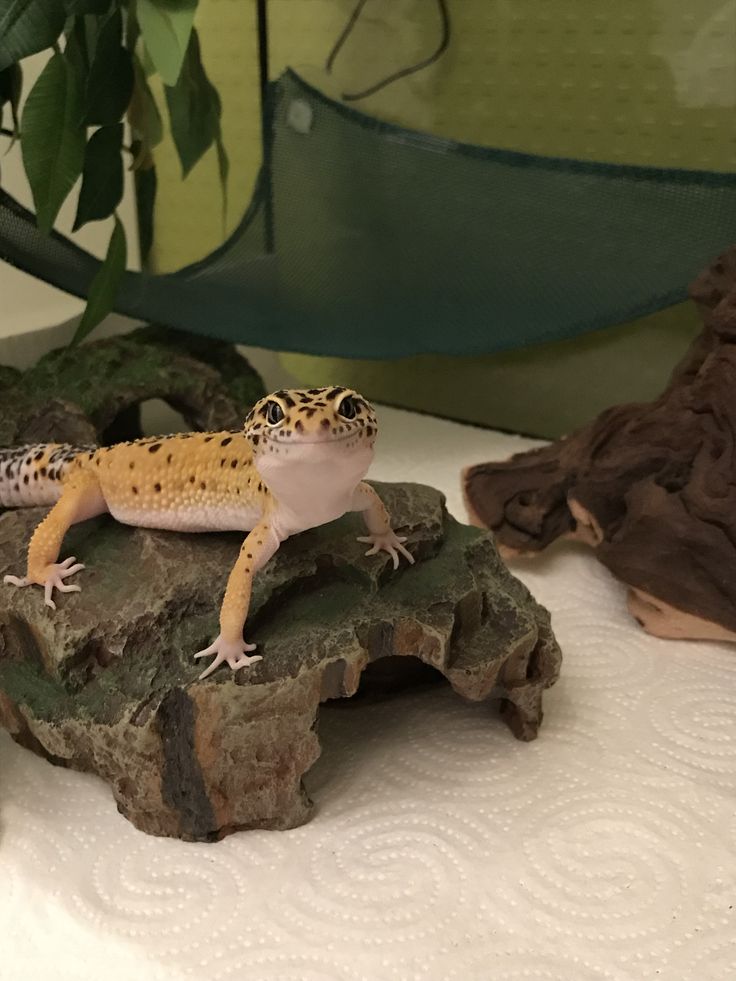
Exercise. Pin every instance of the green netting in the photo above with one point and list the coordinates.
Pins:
(365, 239)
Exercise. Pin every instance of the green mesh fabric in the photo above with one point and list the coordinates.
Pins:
(365, 239)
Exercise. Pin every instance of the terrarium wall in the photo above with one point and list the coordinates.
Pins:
(641, 81)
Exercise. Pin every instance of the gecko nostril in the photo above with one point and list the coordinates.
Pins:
(325, 424)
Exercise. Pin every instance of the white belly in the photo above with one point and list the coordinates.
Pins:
(199, 518)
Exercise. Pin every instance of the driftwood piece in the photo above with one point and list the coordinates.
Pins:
(651, 486)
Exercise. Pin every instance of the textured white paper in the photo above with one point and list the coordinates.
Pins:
(441, 848)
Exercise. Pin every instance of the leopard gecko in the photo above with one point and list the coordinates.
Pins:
(298, 462)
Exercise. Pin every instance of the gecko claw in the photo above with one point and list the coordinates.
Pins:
(388, 542)
(51, 578)
(234, 652)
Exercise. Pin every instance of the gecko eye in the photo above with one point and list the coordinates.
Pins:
(274, 413)
(347, 408)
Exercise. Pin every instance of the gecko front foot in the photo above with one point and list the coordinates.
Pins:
(51, 577)
(232, 651)
(388, 542)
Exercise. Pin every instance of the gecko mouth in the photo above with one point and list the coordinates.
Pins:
(299, 441)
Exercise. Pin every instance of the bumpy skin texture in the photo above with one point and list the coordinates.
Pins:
(298, 463)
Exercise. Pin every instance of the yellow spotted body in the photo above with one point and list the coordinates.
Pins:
(298, 462)
(191, 482)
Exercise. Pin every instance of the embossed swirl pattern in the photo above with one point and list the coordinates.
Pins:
(441, 848)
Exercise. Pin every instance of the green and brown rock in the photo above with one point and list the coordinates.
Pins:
(108, 684)
(93, 393)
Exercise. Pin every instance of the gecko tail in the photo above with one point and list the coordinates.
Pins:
(32, 476)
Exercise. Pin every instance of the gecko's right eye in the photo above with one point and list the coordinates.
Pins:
(274, 413)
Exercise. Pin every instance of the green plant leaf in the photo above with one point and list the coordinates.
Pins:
(28, 26)
(102, 176)
(145, 198)
(194, 109)
(166, 29)
(87, 6)
(143, 115)
(11, 84)
(53, 138)
(110, 81)
(223, 166)
(104, 287)
(76, 51)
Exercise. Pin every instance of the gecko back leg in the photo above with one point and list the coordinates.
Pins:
(81, 499)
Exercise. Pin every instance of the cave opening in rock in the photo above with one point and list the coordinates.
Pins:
(152, 417)
(386, 677)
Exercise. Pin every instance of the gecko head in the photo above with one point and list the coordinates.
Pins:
(319, 425)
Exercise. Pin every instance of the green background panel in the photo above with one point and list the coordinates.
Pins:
(640, 81)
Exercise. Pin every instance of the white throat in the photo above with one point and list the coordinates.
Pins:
(312, 483)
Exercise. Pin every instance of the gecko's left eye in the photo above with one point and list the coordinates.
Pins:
(274, 413)
(347, 408)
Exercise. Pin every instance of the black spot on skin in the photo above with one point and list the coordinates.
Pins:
(17, 487)
(255, 440)
(260, 488)
(233, 464)
(208, 439)
(203, 486)
(154, 447)
(38, 455)
(134, 489)
(97, 461)
(226, 441)
(35, 475)
(333, 393)
(42, 471)
(308, 410)
(369, 430)
(222, 462)
(169, 458)
(25, 479)
(192, 479)
(132, 465)
(314, 391)
(157, 488)
(250, 554)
